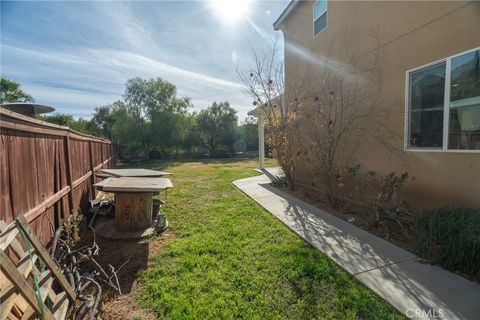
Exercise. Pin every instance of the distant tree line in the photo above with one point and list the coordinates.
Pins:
(153, 120)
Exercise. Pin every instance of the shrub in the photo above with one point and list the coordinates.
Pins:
(219, 154)
(450, 237)
(381, 195)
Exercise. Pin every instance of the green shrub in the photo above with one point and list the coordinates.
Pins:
(450, 237)
(219, 154)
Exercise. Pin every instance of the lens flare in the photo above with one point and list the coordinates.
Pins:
(230, 11)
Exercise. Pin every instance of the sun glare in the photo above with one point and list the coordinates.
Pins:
(230, 11)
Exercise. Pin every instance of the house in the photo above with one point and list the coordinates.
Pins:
(427, 62)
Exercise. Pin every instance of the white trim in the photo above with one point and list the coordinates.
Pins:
(406, 125)
(285, 13)
(446, 103)
(444, 151)
(441, 60)
(446, 107)
(314, 20)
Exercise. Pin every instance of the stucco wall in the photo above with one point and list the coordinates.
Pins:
(407, 35)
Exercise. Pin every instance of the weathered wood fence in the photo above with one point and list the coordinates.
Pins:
(47, 171)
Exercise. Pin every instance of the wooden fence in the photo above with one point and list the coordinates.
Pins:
(47, 171)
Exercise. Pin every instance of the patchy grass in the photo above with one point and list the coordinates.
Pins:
(232, 259)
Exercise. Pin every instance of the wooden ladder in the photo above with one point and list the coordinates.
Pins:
(26, 266)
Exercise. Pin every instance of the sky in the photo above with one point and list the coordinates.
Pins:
(76, 56)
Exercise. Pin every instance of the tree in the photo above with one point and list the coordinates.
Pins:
(57, 118)
(315, 125)
(159, 116)
(80, 125)
(216, 125)
(192, 137)
(10, 91)
(125, 128)
(150, 116)
(103, 120)
(249, 133)
(264, 82)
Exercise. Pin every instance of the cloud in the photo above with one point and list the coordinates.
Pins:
(78, 55)
(92, 77)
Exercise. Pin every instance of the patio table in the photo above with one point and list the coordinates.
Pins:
(147, 173)
(133, 200)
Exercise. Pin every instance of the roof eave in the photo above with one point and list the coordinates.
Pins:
(285, 13)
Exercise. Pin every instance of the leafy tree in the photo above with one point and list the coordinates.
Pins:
(192, 137)
(157, 112)
(103, 120)
(217, 124)
(248, 132)
(125, 126)
(57, 118)
(80, 125)
(10, 91)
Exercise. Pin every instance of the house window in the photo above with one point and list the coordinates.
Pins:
(319, 16)
(444, 104)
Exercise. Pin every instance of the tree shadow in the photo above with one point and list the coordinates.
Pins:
(159, 164)
(385, 268)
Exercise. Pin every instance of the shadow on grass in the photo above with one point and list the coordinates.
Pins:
(344, 243)
(160, 164)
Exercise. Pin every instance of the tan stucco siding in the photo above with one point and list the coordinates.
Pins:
(409, 35)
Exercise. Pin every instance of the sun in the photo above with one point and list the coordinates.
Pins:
(230, 11)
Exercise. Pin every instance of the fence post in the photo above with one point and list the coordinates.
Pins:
(110, 155)
(101, 153)
(92, 169)
(68, 164)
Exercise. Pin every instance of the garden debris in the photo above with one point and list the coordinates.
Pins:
(84, 273)
(100, 207)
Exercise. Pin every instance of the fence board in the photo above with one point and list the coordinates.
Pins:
(47, 171)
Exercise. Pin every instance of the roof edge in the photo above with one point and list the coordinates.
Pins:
(285, 13)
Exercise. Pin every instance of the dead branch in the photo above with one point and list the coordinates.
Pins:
(76, 265)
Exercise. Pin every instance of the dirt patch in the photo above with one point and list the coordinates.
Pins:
(139, 254)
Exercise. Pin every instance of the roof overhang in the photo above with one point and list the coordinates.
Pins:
(27, 109)
(291, 6)
(257, 112)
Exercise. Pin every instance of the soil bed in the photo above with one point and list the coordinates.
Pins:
(115, 253)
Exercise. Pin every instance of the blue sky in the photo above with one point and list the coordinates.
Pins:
(76, 56)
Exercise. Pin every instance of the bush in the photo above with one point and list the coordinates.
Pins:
(381, 195)
(134, 154)
(155, 154)
(219, 154)
(451, 238)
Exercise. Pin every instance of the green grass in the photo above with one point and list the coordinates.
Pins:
(233, 260)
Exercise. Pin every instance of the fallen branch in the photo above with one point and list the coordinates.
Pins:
(75, 264)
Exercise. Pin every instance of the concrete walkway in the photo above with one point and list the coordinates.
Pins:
(418, 290)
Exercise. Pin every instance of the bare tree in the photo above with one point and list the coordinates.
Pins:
(265, 83)
(316, 124)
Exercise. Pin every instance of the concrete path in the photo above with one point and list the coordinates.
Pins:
(418, 290)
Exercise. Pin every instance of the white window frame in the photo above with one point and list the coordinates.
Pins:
(446, 107)
(314, 20)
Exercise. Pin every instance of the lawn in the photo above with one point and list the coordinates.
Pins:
(231, 259)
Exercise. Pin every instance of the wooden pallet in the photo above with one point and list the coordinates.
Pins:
(24, 261)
